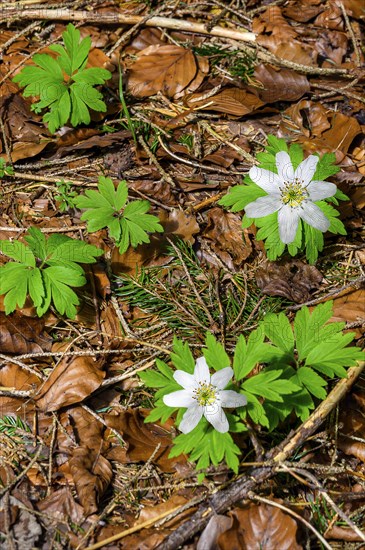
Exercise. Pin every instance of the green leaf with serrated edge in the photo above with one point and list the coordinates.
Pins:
(14, 283)
(255, 351)
(278, 330)
(312, 381)
(246, 222)
(73, 251)
(240, 196)
(165, 369)
(307, 327)
(136, 208)
(261, 385)
(97, 218)
(326, 167)
(18, 251)
(267, 161)
(182, 357)
(93, 199)
(80, 113)
(313, 242)
(121, 195)
(107, 190)
(35, 286)
(296, 154)
(153, 379)
(62, 296)
(215, 354)
(255, 410)
(276, 144)
(336, 225)
(115, 229)
(124, 241)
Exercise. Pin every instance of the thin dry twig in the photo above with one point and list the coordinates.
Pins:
(113, 18)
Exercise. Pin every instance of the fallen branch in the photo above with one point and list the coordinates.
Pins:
(222, 500)
(64, 14)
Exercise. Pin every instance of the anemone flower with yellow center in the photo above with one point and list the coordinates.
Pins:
(291, 193)
(204, 395)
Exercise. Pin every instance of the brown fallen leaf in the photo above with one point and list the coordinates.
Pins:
(217, 525)
(302, 11)
(60, 506)
(290, 279)
(227, 238)
(260, 526)
(20, 334)
(280, 85)
(330, 18)
(72, 381)
(168, 69)
(92, 474)
(13, 376)
(142, 440)
(350, 307)
(308, 117)
(233, 101)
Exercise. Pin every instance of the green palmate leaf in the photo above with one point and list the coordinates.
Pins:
(206, 446)
(127, 222)
(215, 353)
(239, 196)
(312, 382)
(278, 329)
(67, 98)
(248, 355)
(182, 357)
(44, 285)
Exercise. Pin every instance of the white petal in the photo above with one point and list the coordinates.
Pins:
(221, 378)
(306, 169)
(185, 379)
(232, 399)
(268, 181)
(313, 215)
(288, 218)
(191, 419)
(201, 372)
(284, 166)
(216, 417)
(263, 206)
(180, 398)
(319, 190)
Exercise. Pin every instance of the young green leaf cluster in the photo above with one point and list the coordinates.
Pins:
(44, 269)
(64, 85)
(307, 237)
(127, 222)
(280, 369)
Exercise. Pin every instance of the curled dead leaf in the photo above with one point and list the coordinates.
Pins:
(72, 381)
(142, 440)
(233, 101)
(21, 334)
(92, 473)
(260, 526)
(291, 279)
(227, 238)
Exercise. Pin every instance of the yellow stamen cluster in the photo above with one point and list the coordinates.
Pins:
(205, 394)
(293, 193)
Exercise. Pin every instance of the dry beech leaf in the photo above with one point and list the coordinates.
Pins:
(272, 21)
(72, 381)
(20, 334)
(308, 114)
(337, 532)
(291, 279)
(168, 69)
(354, 8)
(227, 237)
(330, 18)
(13, 376)
(142, 440)
(92, 474)
(282, 85)
(301, 11)
(260, 526)
(233, 101)
(60, 506)
(349, 307)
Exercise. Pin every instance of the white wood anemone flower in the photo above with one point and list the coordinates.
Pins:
(204, 395)
(292, 194)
